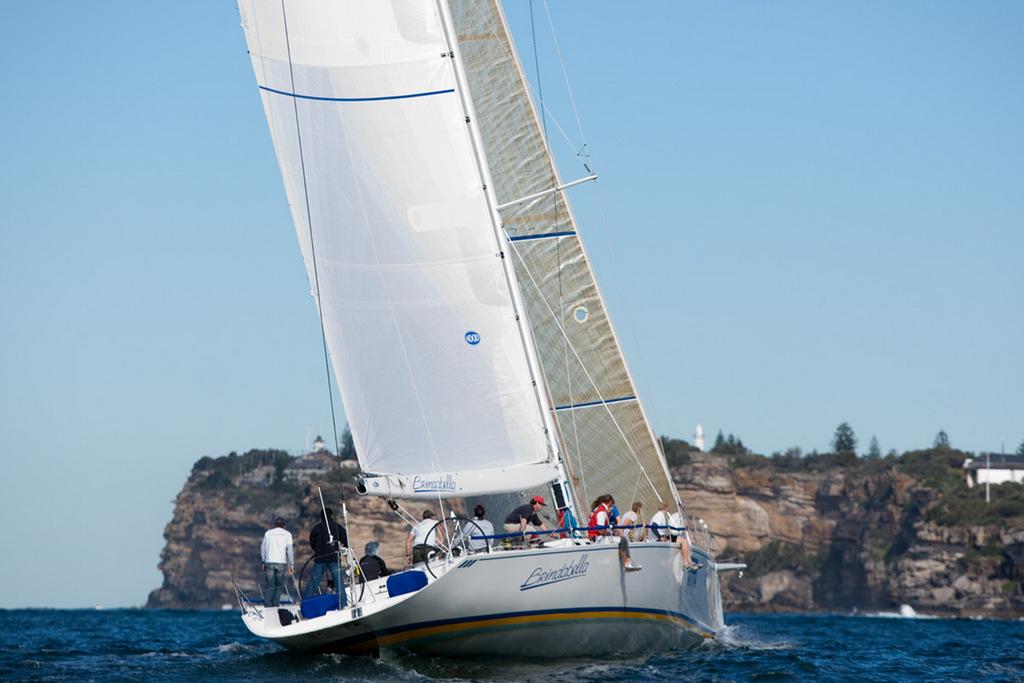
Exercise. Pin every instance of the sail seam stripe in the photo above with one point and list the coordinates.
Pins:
(544, 236)
(356, 99)
(588, 404)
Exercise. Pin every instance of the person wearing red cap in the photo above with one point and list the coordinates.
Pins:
(517, 520)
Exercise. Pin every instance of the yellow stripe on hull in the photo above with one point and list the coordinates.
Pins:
(483, 625)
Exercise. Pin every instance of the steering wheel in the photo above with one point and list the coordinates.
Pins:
(458, 545)
(350, 590)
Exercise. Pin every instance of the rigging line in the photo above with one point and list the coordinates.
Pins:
(558, 252)
(630, 323)
(316, 274)
(561, 329)
(581, 152)
(630, 320)
(565, 74)
(536, 66)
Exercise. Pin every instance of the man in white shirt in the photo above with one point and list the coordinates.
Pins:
(661, 523)
(665, 527)
(421, 539)
(278, 561)
(485, 527)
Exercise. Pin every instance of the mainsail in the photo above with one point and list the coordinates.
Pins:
(608, 443)
(400, 248)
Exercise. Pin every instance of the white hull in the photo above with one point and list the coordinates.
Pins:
(519, 603)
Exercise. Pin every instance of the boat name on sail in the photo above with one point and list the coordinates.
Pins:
(443, 485)
(543, 577)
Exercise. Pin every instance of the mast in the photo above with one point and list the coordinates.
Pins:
(536, 373)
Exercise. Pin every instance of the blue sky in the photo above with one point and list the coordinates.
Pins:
(806, 213)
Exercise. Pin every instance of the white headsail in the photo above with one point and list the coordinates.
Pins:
(397, 235)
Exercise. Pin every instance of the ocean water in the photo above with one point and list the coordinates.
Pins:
(143, 645)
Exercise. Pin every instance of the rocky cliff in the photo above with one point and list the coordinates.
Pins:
(228, 503)
(817, 534)
(866, 536)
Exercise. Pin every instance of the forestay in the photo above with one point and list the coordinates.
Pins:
(398, 242)
(608, 442)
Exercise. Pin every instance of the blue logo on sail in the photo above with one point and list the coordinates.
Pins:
(472, 338)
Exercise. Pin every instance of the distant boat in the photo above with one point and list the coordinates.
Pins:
(470, 342)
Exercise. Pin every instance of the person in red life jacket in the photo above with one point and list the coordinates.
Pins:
(599, 524)
(600, 531)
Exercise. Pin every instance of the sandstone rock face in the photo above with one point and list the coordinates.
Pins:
(214, 538)
(813, 540)
(838, 541)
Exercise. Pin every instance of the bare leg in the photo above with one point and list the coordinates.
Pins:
(627, 562)
(684, 551)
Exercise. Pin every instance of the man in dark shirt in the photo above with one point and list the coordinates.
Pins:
(372, 566)
(525, 514)
(325, 541)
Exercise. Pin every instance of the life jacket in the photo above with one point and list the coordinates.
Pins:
(592, 522)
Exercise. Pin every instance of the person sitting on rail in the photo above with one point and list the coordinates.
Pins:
(666, 527)
(661, 523)
(635, 521)
(599, 524)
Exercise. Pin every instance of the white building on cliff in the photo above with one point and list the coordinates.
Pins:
(994, 468)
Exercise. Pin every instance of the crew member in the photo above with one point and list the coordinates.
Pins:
(278, 561)
(421, 539)
(326, 539)
(525, 514)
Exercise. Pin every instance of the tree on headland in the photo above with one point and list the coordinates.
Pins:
(874, 452)
(1020, 449)
(941, 439)
(731, 445)
(348, 446)
(719, 442)
(844, 440)
(677, 451)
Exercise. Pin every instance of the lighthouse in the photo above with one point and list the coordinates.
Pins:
(698, 438)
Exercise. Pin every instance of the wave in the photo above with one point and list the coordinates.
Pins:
(741, 637)
(234, 647)
(905, 612)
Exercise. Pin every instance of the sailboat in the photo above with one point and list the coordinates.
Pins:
(472, 348)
